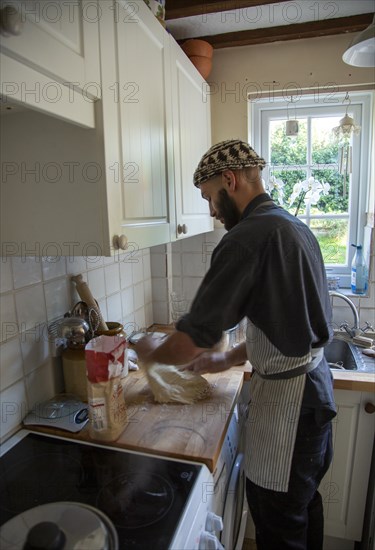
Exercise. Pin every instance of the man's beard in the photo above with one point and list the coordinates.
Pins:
(227, 210)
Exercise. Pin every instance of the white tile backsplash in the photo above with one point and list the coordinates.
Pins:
(9, 325)
(158, 265)
(6, 278)
(34, 348)
(127, 300)
(57, 300)
(77, 265)
(96, 283)
(112, 278)
(139, 295)
(160, 289)
(14, 408)
(34, 291)
(11, 363)
(137, 267)
(26, 271)
(30, 306)
(53, 266)
(126, 274)
(146, 265)
(37, 392)
(192, 265)
(114, 308)
(140, 319)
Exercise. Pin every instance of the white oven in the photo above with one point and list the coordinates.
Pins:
(170, 504)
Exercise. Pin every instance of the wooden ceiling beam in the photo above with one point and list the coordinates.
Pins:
(176, 9)
(312, 29)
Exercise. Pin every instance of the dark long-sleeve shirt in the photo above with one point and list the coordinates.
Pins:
(269, 269)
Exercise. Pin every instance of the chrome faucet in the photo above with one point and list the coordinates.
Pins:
(355, 329)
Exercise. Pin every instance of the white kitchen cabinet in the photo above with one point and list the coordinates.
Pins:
(135, 110)
(75, 190)
(159, 106)
(190, 139)
(344, 487)
(50, 56)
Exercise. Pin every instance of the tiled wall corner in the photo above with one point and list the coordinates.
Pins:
(34, 292)
(161, 270)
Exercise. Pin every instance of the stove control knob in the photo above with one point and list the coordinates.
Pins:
(213, 522)
(208, 541)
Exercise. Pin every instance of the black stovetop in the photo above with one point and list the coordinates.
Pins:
(143, 496)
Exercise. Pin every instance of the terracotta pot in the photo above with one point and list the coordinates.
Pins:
(197, 47)
(203, 64)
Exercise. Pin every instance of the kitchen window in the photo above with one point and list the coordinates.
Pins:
(314, 174)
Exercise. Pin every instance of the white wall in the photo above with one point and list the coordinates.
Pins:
(295, 64)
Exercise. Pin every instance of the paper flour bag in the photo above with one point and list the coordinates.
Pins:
(105, 356)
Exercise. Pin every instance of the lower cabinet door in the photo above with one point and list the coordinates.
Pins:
(344, 487)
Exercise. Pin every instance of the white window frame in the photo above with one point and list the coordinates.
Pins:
(260, 111)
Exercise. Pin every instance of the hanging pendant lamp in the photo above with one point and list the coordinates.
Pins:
(347, 125)
(361, 52)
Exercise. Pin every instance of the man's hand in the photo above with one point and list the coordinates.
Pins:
(177, 349)
(215, 361)
(209, 362)
(146, 346)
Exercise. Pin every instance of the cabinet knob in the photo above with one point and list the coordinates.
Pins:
(182, 229)
(11, 23)
(370, 408)
(120, 242)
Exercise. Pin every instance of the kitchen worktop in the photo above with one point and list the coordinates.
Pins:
(189, 432)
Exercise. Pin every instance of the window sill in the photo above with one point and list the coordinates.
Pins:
(348, 292)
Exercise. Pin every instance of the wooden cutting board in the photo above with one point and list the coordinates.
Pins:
(190, 432)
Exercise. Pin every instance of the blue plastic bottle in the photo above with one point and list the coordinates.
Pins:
(359, 272)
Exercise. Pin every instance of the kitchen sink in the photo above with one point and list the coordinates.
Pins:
(342, 355)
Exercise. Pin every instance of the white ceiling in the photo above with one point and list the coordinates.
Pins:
(265, 16)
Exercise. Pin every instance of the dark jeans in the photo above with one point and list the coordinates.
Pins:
(294, 520)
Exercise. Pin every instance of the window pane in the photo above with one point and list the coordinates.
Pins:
(288, 150)
(332, 236)
(324, 143)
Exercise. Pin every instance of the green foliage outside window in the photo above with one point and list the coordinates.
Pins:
(289, 163)
(292, 153)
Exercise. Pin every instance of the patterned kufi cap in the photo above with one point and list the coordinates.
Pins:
(232, 154)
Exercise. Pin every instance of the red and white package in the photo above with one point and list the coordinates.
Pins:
(105, 358)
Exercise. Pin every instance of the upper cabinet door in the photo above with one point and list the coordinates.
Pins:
(140, 94)
(50, 56)
(191, 120)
